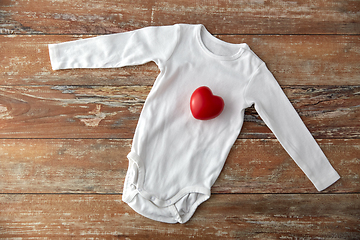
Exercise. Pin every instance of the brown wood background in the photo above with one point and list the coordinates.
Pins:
(64, 135)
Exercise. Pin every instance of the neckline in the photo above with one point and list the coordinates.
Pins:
(207, 34)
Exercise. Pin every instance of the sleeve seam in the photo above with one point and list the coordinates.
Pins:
(177, 42)
(250, 80)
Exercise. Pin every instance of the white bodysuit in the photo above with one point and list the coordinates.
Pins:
(176, 158)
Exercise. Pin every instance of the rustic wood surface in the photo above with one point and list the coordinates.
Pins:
(112, 112)
(225, 16)
(99, 166)
(241, 216)
(293, 59)
(64, 135)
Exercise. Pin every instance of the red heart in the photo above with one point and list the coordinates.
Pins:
(204, 105)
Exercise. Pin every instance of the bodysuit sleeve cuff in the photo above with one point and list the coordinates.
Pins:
(54, 57)
(326, 181)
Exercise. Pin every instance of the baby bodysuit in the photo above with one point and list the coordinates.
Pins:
(175, 158)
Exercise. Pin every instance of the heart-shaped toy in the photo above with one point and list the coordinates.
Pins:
(204, 105)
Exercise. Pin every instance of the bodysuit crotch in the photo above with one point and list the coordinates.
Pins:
(178, 208)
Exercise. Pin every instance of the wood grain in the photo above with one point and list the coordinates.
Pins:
(99, 166)
(260, 216)
(112, 112)
(294, 60)
(226, 17)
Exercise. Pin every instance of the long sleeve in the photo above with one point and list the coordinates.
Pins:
(116, 50)
(279, 115)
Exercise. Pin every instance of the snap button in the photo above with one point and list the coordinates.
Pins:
(152, 198)
(168, 202)
(139, 189)
(133, 187)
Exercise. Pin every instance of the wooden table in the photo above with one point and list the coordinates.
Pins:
(64, 135)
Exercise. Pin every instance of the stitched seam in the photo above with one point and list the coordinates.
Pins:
(176, 44)
(250, 80)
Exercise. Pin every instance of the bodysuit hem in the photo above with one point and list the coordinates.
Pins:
(176, 219)
(134, 193)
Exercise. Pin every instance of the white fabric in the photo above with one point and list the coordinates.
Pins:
(175, 158)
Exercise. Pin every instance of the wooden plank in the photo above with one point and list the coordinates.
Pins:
(112, 112)
(260, 216)
(63, 165)
(226, 17)
(264, 17)
(294, 60)
(99, 166)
